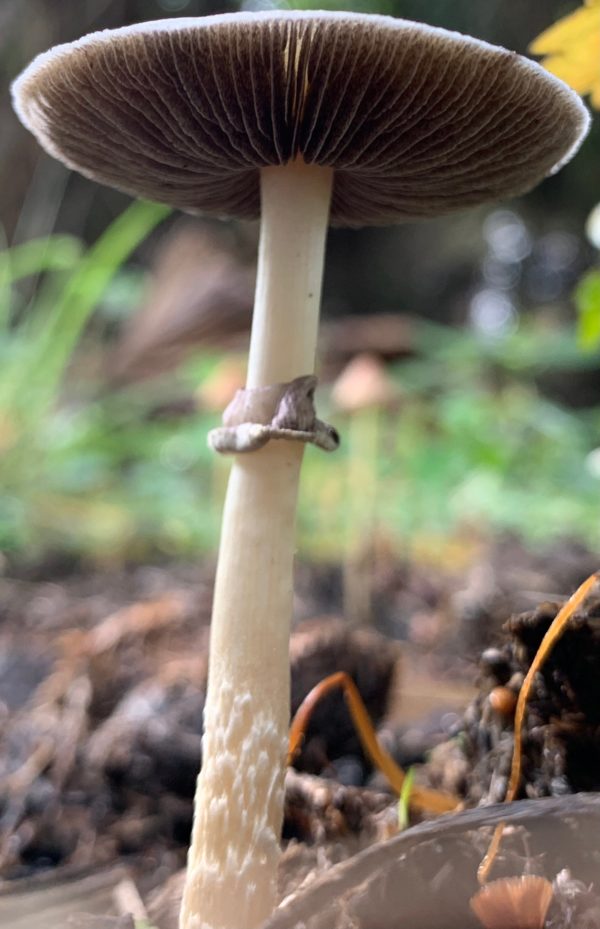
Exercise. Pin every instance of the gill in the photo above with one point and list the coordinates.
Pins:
(295, 65)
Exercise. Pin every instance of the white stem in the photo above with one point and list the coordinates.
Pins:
(232, 863)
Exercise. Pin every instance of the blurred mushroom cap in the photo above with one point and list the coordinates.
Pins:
(220, 387)
(513, 903)
(364, 384)
(415, 120)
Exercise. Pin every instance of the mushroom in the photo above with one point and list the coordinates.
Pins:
(513, 902)
(364, 384)
(363, 391)
(303, 118)
(220, 386)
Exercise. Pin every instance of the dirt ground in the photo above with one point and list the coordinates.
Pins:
(102, 682)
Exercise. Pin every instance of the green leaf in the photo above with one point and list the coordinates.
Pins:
(52, 253)
(53, 334)
(587, 301)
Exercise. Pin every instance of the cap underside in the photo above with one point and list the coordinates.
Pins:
(415, 121)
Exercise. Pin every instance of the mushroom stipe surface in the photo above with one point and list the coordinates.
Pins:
(305, 119)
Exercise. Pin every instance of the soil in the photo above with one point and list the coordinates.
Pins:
(425, 877)
(101, 710)
(561, 739)
(102, 681)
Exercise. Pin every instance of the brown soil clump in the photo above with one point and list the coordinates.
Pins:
(561, 740)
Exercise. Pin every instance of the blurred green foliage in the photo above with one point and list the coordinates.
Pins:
(486, 448)
(587, 301)
(475, 447)
(37, 340)
(101, 474)
(475, 443)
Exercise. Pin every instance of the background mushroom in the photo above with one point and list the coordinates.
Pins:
(364, 392)
(310, 116)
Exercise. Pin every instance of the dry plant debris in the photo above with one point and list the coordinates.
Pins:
(101, 760)
(430, 800)
(84, 725)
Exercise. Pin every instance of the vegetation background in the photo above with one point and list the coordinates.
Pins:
(494, 353)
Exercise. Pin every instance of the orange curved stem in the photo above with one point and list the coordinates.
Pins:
(431, 800)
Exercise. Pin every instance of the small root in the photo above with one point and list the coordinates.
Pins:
(433, 801)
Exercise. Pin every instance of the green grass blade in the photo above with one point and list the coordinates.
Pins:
(404, 800)
(52, 253)
(57, 334)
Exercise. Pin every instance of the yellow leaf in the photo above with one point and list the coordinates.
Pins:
(578, 75)
(563, 35)
(572, 50)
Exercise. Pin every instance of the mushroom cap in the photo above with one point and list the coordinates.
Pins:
(364, 383)
(513, 902)
(416, 121)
